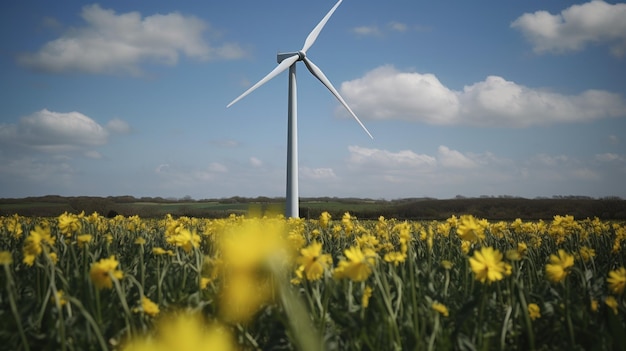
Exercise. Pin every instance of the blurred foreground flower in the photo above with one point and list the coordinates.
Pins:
(185, 332)
(251, 250)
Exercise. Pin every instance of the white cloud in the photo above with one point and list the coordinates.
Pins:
(114, 43)
(119, 126)
(225, 143)
(586, 174)
(454, 159)
(386, 93)
(93, 154)
(398, 26)
(393, 26)
(575, 27)
(367, 31)
(216, 167)
(255, 162)
(377, 158)
(162, 168)
(317, 173)
(609, 157)
(551, 161)
(613, 139)
(54, 131)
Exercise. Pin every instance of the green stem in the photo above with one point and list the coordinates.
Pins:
(122, 298)
(433, 336)
(11, 292)
(60, 322)
(529, 327)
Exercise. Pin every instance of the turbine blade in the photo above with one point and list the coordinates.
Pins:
(316, 31)
(322, 78)
(276, 71)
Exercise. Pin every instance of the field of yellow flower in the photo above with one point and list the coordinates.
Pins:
(86, 282)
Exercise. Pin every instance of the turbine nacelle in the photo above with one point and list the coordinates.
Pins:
(285, 55)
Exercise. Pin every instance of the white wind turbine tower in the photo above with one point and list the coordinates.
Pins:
(288, 60)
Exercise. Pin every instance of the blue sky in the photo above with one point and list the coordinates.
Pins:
(524, 98)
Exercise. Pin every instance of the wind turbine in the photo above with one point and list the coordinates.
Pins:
(288, 60)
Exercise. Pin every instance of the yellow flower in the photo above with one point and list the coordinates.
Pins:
(487, 265)
(394, 257)
(447, 265)
(513, 255)
(14, 226)
(313, 262)
(534, 311)
(559, 266)
(611, 302)
(148, 307)
(365, 299)
(186, 239)
(5, 258)
(358, 265)
(185, 332)
(60, 296)
(158, 251)
(594, 305)
(522, 248)
(242, 295)
(465, 246)
(204, 282)
(250, 250)
(140, 241)
(69, 223)
(587, 253)
(346, 220)
(617, 280)
(325, 219)
(470, 229)
(53, 257)
(102, 271)
(161, 251)
(441, 308)
(32, 244)
(83, 239)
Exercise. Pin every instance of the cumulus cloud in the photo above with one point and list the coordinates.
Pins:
(575, 27)
(118, 43)
(454, 159)
(398, 26)
(118, 126)
(255, 162)
(376, 158)
(386, 93)
(58, 132)
(367, 31)
(317, 173)
(376, 31)
(610, 157)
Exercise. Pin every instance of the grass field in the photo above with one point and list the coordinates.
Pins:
(86, 282)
